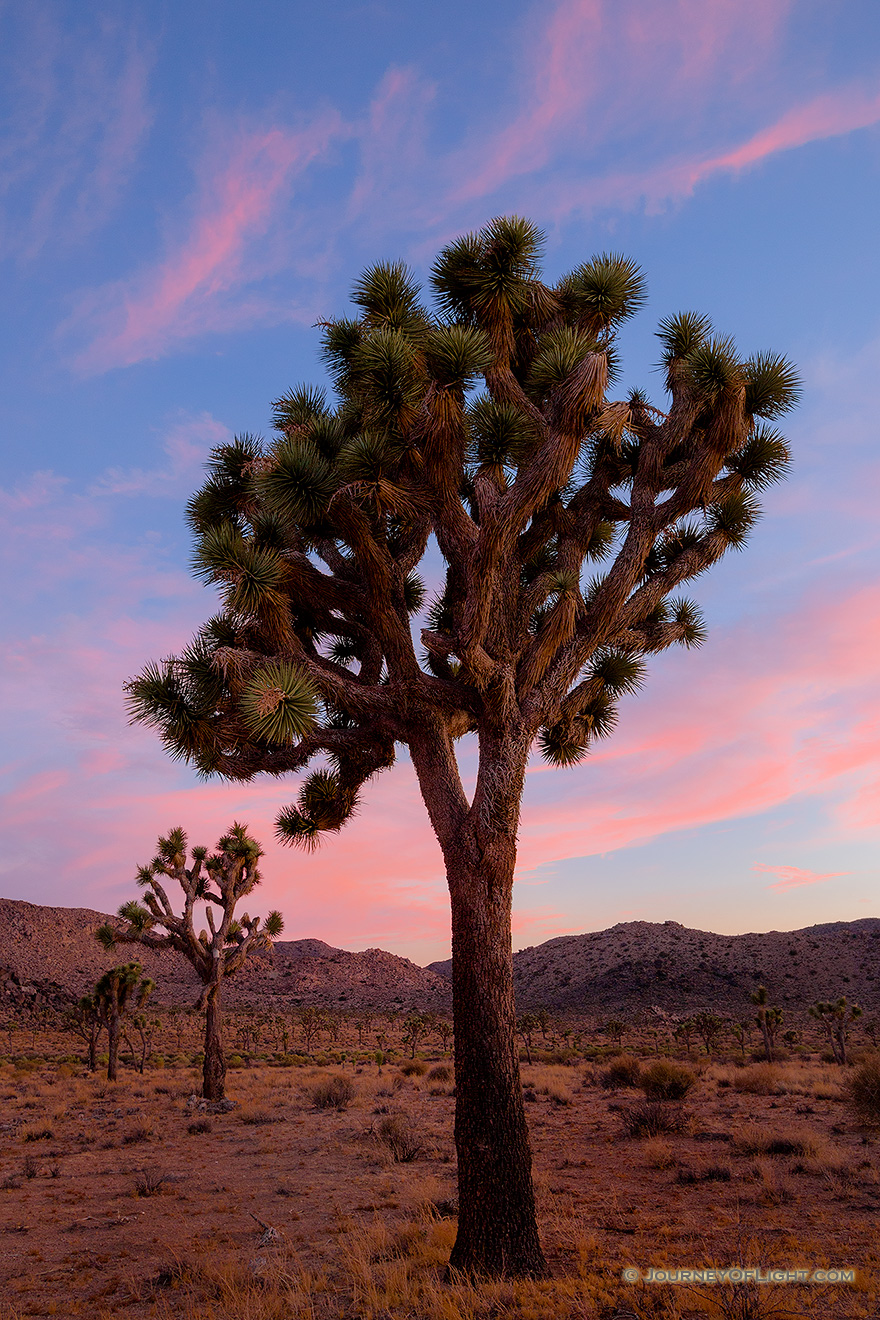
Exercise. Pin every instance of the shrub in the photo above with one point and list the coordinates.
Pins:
(441, 1072)
(667, 1081)
(862, 1091)
(199, 1126)
(653, 1118)
(336, 1092)
(149, 1183)
(413, 1068)
(137, 1135)
(621, 1071)
(776, 1143)
(399, 1136)
(761, 1079)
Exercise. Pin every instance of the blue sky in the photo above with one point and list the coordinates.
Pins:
(186, 189)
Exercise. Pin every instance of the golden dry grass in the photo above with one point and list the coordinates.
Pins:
(128, 1211)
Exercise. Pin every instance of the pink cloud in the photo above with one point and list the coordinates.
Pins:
(599, 73)
(187, 293)
(793, 877)
(766, 719)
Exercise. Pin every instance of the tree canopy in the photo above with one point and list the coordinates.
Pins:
(566, 522)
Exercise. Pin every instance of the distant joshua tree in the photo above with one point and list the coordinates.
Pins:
(835, 1019)
(769, 1019)
(84, 1020)
(118, 992)
(219, 881)
(708, 1027)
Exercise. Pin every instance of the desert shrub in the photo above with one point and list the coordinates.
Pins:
(149, 1183)
(667, 1081)
(709, 1173)
(413, 1068)
(253, 1116)
(137, 1135)
(38, 1134)
(336, 1092)
(235, 1061)
(398, 1134)
(862, 1091)
(653, 1118)
(31, 1167)
(559, 1095)
(199, 1126)
(441, 1072)
(760, 1079)
(622, 1071)
(776, 1143)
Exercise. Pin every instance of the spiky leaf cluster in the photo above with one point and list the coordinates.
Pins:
(486, 425)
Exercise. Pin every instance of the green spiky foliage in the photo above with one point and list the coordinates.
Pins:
(216, 882)
(119, 993)
(568, 521)
(835, 1017)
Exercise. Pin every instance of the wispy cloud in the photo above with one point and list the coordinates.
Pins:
(793, 877)
(200, 286)
(80, 117)
(607, 107)
(186, 445)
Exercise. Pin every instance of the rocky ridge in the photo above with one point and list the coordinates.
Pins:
(635, 968)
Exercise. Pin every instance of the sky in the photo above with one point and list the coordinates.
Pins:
(185, 189)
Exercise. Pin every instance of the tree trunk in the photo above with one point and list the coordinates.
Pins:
(497, 1224)
(93, 1049)
(497, 1227)
(112, 1044)
(214, 1071)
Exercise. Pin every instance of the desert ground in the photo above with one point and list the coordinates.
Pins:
(129, 1198)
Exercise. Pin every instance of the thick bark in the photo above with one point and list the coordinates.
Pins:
(214, 1071)
(497, 1225)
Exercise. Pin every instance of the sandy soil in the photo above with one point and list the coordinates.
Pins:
(124, 1199)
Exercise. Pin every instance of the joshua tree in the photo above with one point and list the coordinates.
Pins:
(708, 1027)
(769, 1019)
(835, 1019)
(118, 992)
(415, 1027)
(84, 1020)
(219, 881)
(311, 1020)
(314, 538)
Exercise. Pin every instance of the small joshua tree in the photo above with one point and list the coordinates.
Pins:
(118, 992)
(84, 1020)
(219, 881)
(835, 1019)
(708, 1027)
(769, 1019)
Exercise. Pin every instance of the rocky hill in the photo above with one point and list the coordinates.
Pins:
(629, 970)
(638, 965)
(53, 946)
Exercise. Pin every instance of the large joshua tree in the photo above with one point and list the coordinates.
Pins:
(219, 880)
(486, 424)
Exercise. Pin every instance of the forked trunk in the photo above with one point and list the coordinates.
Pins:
(497, 1226)
(214, 1070)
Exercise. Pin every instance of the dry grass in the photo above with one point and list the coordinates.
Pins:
(361, 1234)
